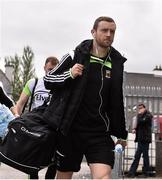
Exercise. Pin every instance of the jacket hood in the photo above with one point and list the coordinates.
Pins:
(85, 46)
(148, 113)
(118, 55)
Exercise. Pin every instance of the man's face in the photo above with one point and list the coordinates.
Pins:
(141, 109)
(104, 34)
(48, 67)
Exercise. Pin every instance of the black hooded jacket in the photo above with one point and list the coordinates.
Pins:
(144, 127)
(68, 92)
(4, 99)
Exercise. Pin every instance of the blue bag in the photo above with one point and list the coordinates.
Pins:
(5, 117)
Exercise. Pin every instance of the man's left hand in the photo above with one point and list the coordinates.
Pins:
(122, 142)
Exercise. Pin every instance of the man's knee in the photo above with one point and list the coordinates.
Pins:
(100, 171)
(64, 175)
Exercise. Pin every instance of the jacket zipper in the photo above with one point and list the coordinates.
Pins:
(100, 106)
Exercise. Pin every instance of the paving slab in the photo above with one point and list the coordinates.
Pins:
(7, 172)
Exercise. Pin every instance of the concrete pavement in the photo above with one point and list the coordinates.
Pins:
(7, 172)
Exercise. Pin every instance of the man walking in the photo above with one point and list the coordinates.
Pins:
(87, 104)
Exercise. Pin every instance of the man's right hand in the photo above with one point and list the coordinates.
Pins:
(133, 131)
(77, 70)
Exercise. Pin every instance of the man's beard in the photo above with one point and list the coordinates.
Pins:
(103, 44)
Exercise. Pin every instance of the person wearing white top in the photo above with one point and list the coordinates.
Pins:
(40, 95)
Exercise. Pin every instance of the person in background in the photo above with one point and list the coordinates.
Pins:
(143, 131)
(40, 95)
(87, 105)
(5, 99)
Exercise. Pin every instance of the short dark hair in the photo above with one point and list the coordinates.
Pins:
(102, 18)
(52, 59)
(141, 104)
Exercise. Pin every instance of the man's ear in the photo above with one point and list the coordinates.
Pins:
(93, 33)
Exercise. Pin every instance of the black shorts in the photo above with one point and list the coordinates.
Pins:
(97, 148)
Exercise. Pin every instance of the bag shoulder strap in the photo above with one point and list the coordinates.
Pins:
(32, 95)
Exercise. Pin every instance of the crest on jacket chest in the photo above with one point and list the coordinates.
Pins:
(108, 74)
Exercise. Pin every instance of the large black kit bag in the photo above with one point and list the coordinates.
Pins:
(29, 143)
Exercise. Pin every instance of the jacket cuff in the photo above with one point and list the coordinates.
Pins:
(71, 74)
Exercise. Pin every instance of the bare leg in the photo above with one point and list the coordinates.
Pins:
(64, 175)
(100, 171)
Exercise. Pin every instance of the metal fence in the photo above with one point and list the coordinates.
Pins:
(130, 152)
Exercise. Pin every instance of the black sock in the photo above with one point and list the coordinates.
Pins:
(51, 172)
